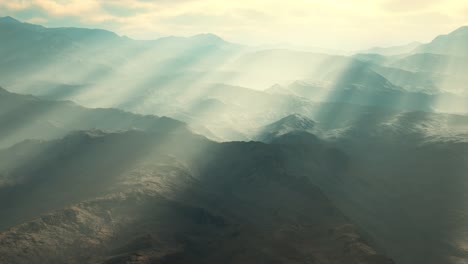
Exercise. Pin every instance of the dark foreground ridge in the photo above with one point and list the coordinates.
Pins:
(137, 197)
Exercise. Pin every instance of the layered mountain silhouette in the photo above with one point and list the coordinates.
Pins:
(438, 66)
(185, 71)
(27, 117)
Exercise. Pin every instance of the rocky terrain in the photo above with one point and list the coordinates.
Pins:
(234, 202)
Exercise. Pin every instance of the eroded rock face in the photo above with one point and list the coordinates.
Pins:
(176, 208)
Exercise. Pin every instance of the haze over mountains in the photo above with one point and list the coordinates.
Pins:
(197, 150)
(185, 78)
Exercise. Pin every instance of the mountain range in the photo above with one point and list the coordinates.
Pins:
(197, 150)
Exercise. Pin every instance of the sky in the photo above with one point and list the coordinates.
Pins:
(329, 24)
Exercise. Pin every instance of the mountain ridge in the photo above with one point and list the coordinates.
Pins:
(187, 199)
(453, 43)
(16, 108)
(213, 38)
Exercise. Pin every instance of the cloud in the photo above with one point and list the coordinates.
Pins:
(37, 20)
(68, 8)
(120, 10)
(15, 5)
(405, 5)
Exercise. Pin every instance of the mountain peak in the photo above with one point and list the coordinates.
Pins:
(8, 19)
(208, 37)
(296, 121)
(288, 124)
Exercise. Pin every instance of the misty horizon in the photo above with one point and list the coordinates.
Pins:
(335, 25)
(279, 44)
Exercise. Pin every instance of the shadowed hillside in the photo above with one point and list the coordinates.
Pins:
(234, 202)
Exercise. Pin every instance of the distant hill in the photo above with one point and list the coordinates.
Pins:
(28, 117)
(438, 68)
(82, 56)
(455, 44)
(394, 50)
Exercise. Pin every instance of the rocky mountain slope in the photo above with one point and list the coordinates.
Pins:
(139, 197)
(403, 178)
